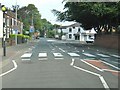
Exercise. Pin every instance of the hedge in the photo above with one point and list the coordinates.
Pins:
(19, 36)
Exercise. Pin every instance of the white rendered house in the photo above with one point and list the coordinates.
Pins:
(76, 32)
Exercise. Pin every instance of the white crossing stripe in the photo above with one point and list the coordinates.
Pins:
(89, 55)
(102, 55)
(42, 55)
(26, 55)
(59, 58)
(57, 54)
(42, 59)
(116, 56)
(73, 54)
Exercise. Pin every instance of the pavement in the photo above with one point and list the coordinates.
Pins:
(12, 51)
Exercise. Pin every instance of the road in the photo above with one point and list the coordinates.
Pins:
(51, 63)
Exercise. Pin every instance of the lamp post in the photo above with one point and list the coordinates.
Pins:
(4, 34)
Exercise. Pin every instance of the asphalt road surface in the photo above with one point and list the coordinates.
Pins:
(51, 63)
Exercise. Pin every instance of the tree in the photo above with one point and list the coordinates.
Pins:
(27, 13)
(96, 15)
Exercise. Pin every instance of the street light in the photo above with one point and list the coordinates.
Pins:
(4, 9)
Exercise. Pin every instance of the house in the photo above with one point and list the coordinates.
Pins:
(76, 32)
(10, 24)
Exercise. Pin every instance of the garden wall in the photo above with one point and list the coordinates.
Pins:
(108, 41)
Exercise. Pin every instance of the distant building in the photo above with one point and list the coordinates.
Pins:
(76, 32)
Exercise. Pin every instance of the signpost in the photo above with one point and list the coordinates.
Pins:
(32, 30)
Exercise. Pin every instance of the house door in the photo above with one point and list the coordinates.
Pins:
(77, 37)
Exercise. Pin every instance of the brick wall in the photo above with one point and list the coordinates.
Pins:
(108, 41)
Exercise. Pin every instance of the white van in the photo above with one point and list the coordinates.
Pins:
(90, 39)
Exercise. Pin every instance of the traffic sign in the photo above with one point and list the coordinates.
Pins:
(31, 29)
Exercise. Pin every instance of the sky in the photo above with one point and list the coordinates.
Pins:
(44, 7)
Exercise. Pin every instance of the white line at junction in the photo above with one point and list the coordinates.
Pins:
(93, 73)
(92, 65)
(102, 55)
(15, 67)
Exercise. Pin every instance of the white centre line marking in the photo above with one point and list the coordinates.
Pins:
(15, 67)
(73, 54)
(89, 55)
(102, 55)
(61, 49)
(116, 56)
(110, 65)
(111, 70)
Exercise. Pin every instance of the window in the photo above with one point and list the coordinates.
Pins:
(14, 22)
(11, 21)
(73, 27)
(7, 21)
(70, 36)
(89, 36)
(70, 29)
(78, 29)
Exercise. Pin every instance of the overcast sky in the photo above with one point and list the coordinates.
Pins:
(44, 7)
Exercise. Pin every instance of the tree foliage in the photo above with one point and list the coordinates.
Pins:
(27, 13)
(98, 15)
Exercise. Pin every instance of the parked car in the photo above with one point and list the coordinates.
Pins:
(56, 36)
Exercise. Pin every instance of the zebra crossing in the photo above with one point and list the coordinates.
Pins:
(26, 56)
(44, 55)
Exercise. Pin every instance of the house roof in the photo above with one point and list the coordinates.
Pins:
(91, 31)
(11, 14)
(72, 25)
